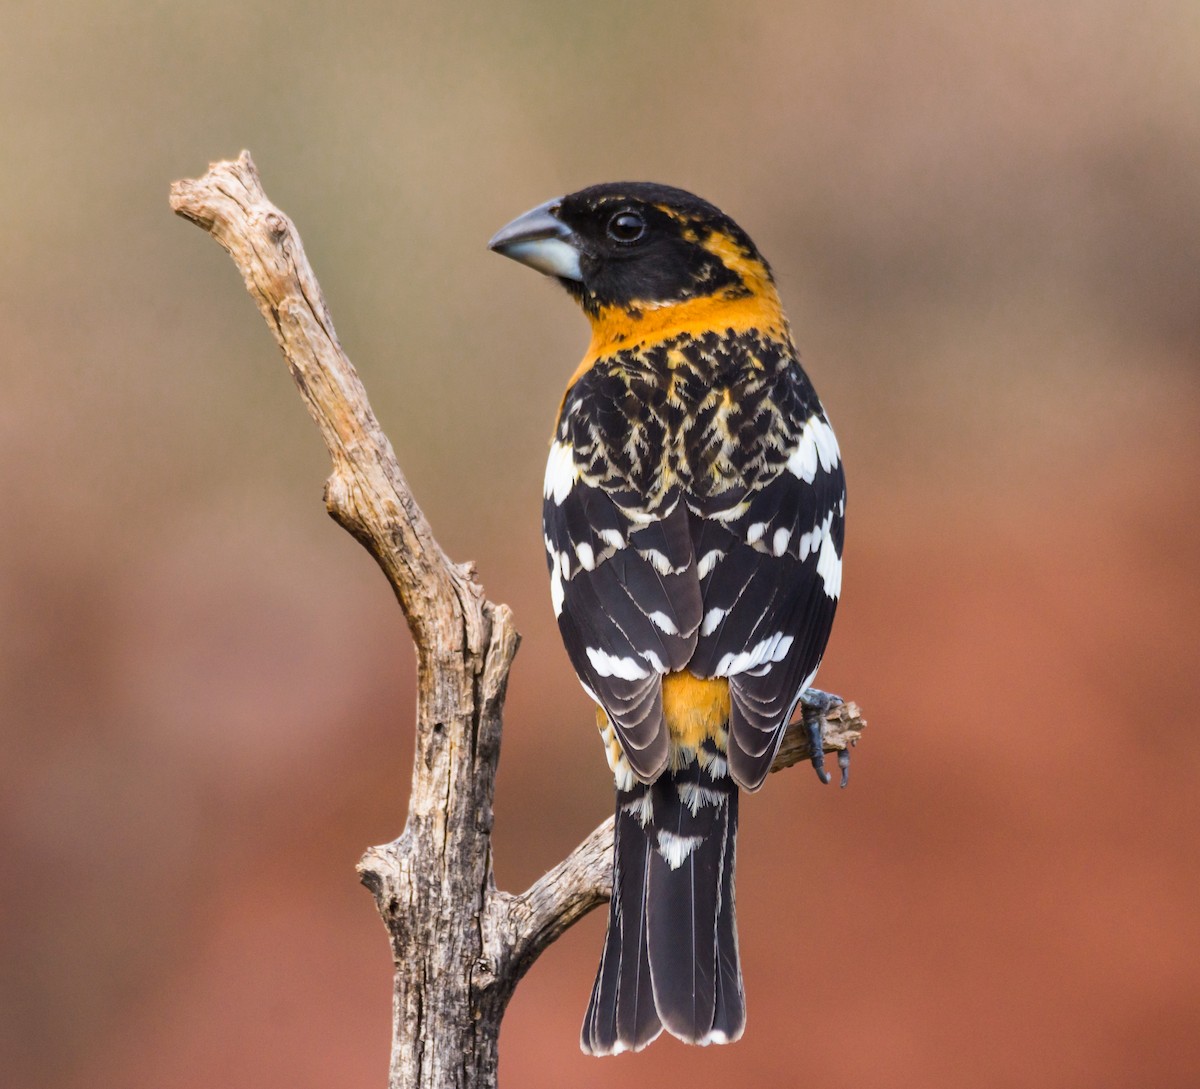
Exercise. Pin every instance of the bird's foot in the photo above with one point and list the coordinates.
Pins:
(814, 705)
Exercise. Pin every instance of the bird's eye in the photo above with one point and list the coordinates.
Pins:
(626, 226)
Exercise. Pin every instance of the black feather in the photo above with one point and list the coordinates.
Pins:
(670, 956)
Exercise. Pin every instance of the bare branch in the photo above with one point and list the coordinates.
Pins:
(366, 493)
(440, 868)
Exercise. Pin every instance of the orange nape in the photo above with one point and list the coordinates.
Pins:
(616, 328)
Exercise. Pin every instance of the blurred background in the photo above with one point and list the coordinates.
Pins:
(985, 221)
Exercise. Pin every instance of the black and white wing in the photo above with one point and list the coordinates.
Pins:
(625, 592)
(770, 566)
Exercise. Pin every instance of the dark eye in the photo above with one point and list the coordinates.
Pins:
(626, 226)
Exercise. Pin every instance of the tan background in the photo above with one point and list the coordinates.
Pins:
(985, 220)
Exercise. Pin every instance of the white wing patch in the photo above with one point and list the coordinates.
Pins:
(656, 663)
(610, 665)
(773, 648)
(819, 542)
(708, 561)
(663, 622)
(814, 542)
(560, 570)
(561, 472)
(818, 445)
(612, 538)
(661, 562)
(557, 593)
(711, 619)
(829, 567)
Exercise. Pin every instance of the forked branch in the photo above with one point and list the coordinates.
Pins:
(459, 945)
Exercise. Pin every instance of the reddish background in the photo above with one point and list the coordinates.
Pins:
(985, 221)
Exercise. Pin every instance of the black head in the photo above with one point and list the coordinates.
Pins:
(636, 245)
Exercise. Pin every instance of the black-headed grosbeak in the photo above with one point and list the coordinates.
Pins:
(693, 518)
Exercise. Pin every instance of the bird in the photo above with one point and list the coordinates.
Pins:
(693, 516)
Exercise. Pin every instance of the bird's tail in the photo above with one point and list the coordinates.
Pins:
(671, 954)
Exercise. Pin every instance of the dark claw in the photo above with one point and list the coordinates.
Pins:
(817, 744)
(814, 704)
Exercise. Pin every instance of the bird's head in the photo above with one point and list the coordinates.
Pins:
(636, 254)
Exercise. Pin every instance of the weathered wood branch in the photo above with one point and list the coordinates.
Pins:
(458, 944)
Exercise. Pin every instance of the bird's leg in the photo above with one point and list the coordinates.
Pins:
(814, 704)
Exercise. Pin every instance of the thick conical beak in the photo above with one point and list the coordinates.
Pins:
(542, 241)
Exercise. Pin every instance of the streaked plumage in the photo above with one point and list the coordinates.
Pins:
(693, 514)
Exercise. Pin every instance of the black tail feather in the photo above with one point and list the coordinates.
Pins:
(621, 1013)
(670, 956)
(729, 1018)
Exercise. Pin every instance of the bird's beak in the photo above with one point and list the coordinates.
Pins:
(542, 241)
